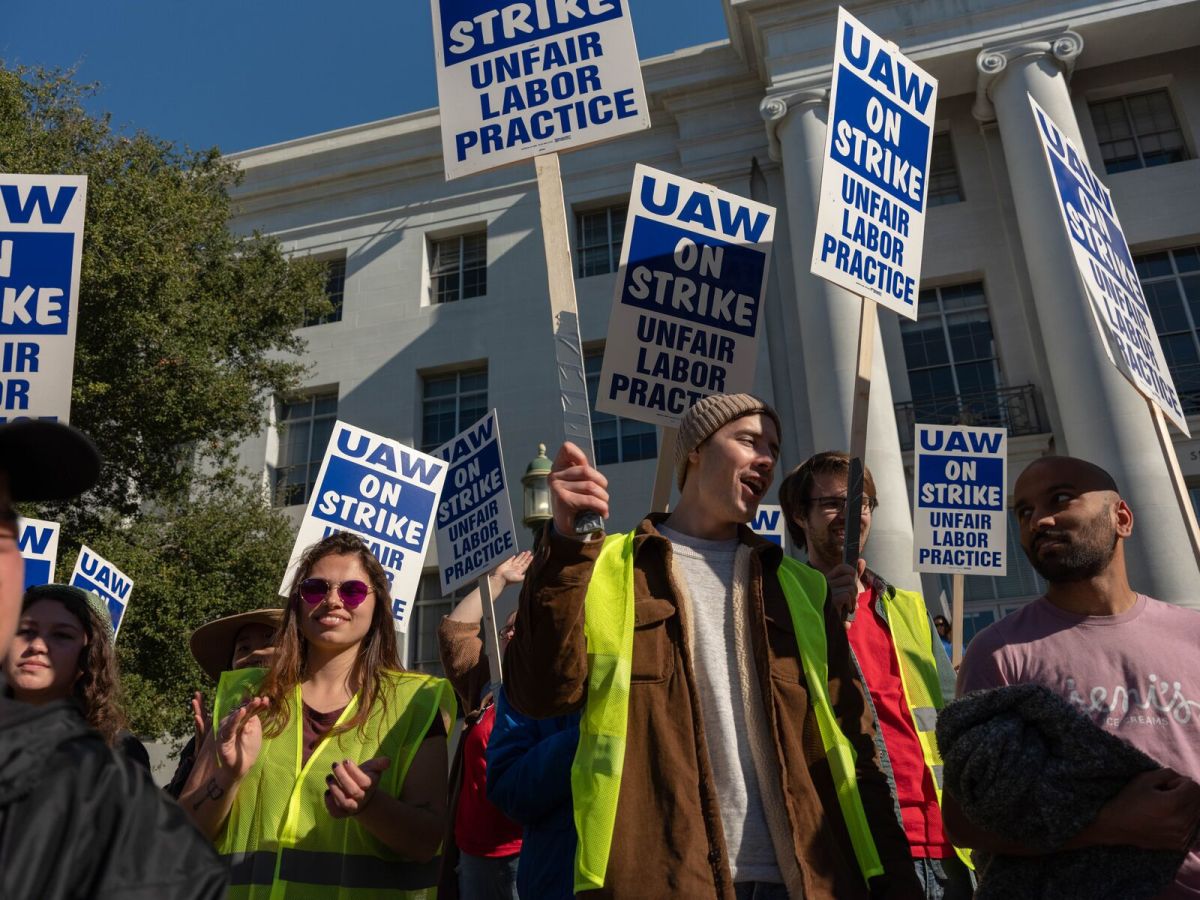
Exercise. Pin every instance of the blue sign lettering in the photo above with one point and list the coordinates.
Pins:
(20, 212)
(35, 282)
(693, 277)
(472, 28)
(366, 501)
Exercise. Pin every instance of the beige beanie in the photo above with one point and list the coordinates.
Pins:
(707, 417)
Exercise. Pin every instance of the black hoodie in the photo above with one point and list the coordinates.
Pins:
(79, 820)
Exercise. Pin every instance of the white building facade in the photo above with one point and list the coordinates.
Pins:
(442, 298)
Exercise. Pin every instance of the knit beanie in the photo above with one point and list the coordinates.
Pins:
(710, 415)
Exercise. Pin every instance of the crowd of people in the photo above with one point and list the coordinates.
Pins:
(684, 711)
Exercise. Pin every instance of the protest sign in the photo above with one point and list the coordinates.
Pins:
(41, 245)
(871, 217)
(1106, 268)
(959, 500)
(689, 292)
(383, 492)
(768, 523)
(517, 79)
(38, 542)
(475, 530)
(95, 573)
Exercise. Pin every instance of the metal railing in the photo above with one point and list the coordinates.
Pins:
(1019, 409)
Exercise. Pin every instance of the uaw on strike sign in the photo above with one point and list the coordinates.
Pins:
(959, 503)
(519, 79)
(383, 492)
(871, 221)
(688, 298)
(475, 531)
(41, 245)
(1106, 268)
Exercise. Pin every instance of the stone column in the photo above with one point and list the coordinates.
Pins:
(828, 327)
(1104, 418)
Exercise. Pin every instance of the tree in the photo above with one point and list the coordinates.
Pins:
(221, 552)
(185, 332)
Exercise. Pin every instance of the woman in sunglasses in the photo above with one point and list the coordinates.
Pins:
(326, 776)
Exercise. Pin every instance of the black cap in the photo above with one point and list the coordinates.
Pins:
(47, 460)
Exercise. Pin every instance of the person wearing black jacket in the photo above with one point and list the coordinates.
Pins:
(76, 818)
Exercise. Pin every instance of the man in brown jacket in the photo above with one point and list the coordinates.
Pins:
(726, 791)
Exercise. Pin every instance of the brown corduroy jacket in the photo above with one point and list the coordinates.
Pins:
(668, 839)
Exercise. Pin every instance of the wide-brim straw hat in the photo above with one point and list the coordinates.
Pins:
(212, 642)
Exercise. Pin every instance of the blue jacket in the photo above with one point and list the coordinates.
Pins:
(529, 779)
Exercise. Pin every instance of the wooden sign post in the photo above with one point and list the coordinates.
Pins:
(956, 618)
(1177, 482)
(858, 433)
(664, 475)
(491, 629)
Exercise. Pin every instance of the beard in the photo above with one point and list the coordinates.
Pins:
(1080, 557)
(832, 547)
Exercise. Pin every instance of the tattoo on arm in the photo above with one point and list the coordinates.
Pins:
(212, 791)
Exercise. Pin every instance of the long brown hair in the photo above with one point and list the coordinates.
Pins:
(97, 690)
(376, 654)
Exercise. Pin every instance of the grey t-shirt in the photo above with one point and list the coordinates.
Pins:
(708, 568)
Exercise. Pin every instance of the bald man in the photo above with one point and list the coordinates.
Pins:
(1128, 662)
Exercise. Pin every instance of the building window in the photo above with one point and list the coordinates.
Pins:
(598, 236)
(307, 426)
(335, 289)
(427, 615)
(616, 439)
(451, 403)
(944, 186)
(1138, 131)
(1194, 494)
(458, 267)
(953, 368)
(1171, 281)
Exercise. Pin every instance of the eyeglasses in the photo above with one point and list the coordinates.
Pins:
(834, 505)
(352, 593)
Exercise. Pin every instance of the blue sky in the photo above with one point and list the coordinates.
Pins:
(244, 73)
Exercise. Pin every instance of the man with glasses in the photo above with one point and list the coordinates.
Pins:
(906, 669)
(725, 748)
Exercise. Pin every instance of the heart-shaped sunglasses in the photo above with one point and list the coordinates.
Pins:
(352, 593)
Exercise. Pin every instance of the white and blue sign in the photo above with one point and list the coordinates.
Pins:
(769, 523)
(41, 245)
(475, 531)
(960, 500)
(95, 573)
(383, 492)
(871, 221)
(38, 542)
(1106, 267)
(516, 79)
(688, 301)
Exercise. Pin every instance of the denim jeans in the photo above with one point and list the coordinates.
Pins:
(945, 879)
(760, 890)
(487, 878)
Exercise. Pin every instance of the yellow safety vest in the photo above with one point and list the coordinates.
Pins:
(599, 759)
(280, 840)
(913, 640)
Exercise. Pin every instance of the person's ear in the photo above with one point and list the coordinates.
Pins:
(1124, 517)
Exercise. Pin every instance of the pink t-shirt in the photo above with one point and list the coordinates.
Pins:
(1136, 675)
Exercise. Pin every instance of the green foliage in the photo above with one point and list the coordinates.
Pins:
(222, 552)
(185, 332)
(184, 328)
